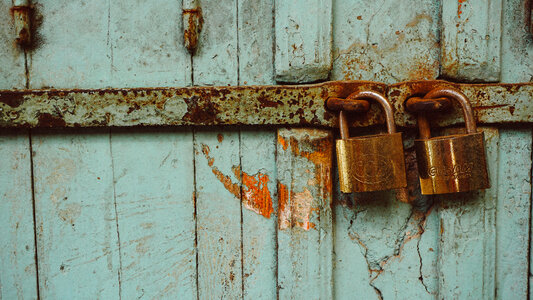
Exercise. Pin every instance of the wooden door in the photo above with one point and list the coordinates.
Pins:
(252, 212)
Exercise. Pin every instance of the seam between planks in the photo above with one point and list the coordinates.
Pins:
(195, 195)
(528, 288)
(116, 218)
(34, 214)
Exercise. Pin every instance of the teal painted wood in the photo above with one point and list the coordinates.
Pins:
(386, 41)
(257, 154)
(471, 39)
(259, 207)
(305, 235)
(12, 71)
(513, 213)
(303, 40)
(467, 247)
(17, 244)
(77, 240)
(147, 44)
(517, 45)
(215, 61)
(74, 49)
(154, 191)
(218, 209)
(256, 41)
(385, 248)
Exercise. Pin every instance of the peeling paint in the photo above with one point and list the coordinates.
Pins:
(255, 194)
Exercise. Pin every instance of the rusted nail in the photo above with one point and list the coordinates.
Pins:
(192, 24)
(337, 104)
(21, 17)
(418, 104)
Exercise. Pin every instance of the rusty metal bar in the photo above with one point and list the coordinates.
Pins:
(287, 105)
(418, 104)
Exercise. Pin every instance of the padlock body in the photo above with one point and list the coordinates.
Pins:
(371, 163)
(452, 164)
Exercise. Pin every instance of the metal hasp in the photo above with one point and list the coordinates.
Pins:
(454, 163)
(192, 24)
(294, 105)
(21, 17)
(372, 162)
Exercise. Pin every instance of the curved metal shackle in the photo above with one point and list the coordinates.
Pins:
(385, 104)
(458, 96)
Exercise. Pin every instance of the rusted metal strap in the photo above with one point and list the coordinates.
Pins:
(294, 105)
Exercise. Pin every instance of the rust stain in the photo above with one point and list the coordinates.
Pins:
(459, 7)
(489, 106)
(47, 120)
(417, 19)
(13, 99)
(255, 194)
(194, 21)
(220, 137)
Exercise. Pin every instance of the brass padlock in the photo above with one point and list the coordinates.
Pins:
(454, 163)
(373, 162)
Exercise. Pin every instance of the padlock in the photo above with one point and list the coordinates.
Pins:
(372, 162)
(454, 163)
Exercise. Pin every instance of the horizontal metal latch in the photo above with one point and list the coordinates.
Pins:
(285, 105)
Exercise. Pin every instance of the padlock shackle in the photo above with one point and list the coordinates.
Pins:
(343, 125)
(458, 96)
(387, 107)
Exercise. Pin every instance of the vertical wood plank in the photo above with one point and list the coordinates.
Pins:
(513, 213)
(217, 162)
(12, 70)
(215, 61)
(305, 235)
(218, 208)
(17, 242)
(471, 39)
(258, 148)
(517, 44)
(154, 188)
(468, 234)
(303, 40)
(256, 42)
(77, 241)
(147, 45)
(73, 49)
(388, 41)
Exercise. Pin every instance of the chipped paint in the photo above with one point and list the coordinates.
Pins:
(251, 189)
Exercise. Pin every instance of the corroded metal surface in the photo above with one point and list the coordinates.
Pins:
(299, 105)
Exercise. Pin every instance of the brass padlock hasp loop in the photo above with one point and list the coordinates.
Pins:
(387, 107)
(458, 96)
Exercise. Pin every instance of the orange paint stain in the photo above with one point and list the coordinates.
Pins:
(255, 193)
(295, 209)
(251, 189)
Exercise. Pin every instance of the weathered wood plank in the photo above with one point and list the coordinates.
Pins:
(18, 278)
(517, 44)
(218, 209)
(73, 50)
(256, 40)
(259, 201)
(154, 188)
(305, 235)
(471, 39)
(77, 240)
(257, 152)
(467, 247)
(303, 40)
(147, 44)
(215, 61)
(374, 41)
(513, 213)
(12, 68)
